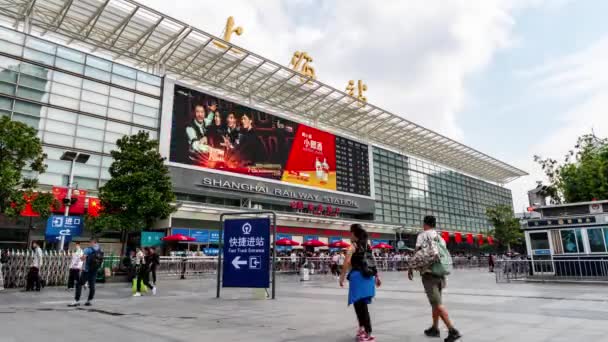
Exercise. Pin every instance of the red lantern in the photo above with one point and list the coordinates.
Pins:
(490, 240)
(458, 237)
(480, 239)
(470, 238)
(445, 236)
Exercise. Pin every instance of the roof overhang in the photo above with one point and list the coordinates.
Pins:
(134, 34)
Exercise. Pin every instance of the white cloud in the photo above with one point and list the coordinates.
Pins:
(414, 56)
(580, 78)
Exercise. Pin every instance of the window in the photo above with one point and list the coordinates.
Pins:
(596, 240)
(569, 241)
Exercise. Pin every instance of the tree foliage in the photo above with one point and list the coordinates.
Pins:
(583, 174)
(21, 152)
(139, 191)
(507, 229)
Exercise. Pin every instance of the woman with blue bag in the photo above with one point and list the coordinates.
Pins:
(363, 278)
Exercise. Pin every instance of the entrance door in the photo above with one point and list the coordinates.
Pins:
(542, 260)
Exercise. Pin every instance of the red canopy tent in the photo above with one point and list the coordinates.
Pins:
(445, 236)
(314, 243)
(480, 239)
(178, 237)
(382, 245)
(490, 240)
(470, 238)
(339, 244)
(458, 237)
(287, 242)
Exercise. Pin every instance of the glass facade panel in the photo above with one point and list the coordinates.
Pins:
(569, 241)
(81, 90)
(407, 189)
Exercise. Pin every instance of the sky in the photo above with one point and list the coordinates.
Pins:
(511, 78)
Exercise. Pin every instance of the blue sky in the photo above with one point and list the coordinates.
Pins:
(512, 78)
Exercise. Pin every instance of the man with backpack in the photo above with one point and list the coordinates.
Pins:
(93, 260)
(432, 259)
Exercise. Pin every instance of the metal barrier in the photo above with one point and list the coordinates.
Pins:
(551, 270)
(55, 266)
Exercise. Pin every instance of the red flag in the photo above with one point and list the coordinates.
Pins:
(480, 239)
(28, 211)
(445, 236)
(490, 240)
(470, 238)
(458, 237)
(94, 207)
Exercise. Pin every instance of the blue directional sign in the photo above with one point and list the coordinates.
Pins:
(200, 235)
(246, 253)
(58, 225)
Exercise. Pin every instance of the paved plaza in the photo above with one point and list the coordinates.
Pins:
(312, 311)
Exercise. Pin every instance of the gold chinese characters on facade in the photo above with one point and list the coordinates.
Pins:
(361, 88)
(300, 63)
(228, 31)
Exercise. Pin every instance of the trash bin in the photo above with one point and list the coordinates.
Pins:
(304, 274)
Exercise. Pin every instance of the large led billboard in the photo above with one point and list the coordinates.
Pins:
(218, 134)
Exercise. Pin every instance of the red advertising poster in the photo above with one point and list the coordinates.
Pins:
(312, 160)
(218, 134)
(77, 208)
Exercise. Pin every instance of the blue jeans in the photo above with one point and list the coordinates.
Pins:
(86, 277)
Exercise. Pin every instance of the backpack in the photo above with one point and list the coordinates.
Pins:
(443, 265)
(96, 259)
(426, 256)
(368, 267)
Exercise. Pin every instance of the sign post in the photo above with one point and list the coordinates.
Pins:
(245, 251)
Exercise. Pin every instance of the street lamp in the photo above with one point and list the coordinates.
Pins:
(73, 157)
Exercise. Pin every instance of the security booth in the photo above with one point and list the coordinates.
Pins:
(569, 240)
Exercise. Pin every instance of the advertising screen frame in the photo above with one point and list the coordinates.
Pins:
(166, 127)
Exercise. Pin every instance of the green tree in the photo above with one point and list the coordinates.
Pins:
(507, 229)
(21, 152)
(583, 174)
(139, 191)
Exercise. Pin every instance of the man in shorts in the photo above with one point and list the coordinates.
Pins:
(433, 285)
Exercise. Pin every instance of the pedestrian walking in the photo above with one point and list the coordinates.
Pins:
(334, 265)
(33, 282)
(363, 278)
(491, 262)
(427, 252)
(341, 259)
(92, 257)
(3, 261)
(75, 266)
(155, 262)
(144, 260)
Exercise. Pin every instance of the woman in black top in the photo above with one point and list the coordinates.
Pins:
(363, 279)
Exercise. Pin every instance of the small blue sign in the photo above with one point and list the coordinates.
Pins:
(333, 239)
(201, 236)
(246, 253)
(211, 251)
(541, 252)
(183, 231)
(284, 248)
(58, 225)
(310, 237)
(214, 236)
(375, 242)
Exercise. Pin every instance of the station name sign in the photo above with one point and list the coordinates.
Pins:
(277, 191)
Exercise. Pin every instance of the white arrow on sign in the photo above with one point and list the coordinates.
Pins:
(64, 232)
(237, 262)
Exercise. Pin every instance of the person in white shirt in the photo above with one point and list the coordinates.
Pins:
(75, 266)
(341, 259)
(33, 277)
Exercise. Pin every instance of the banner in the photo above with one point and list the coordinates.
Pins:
(78, 207)
(151, 239)
(222, 135)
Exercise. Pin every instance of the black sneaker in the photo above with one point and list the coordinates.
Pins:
(432, 332)
(88, 303)
(453, 336)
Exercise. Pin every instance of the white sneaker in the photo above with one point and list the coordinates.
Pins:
(154, 291)
(137, 294)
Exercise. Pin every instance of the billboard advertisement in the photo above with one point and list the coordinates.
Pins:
(218, 134)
